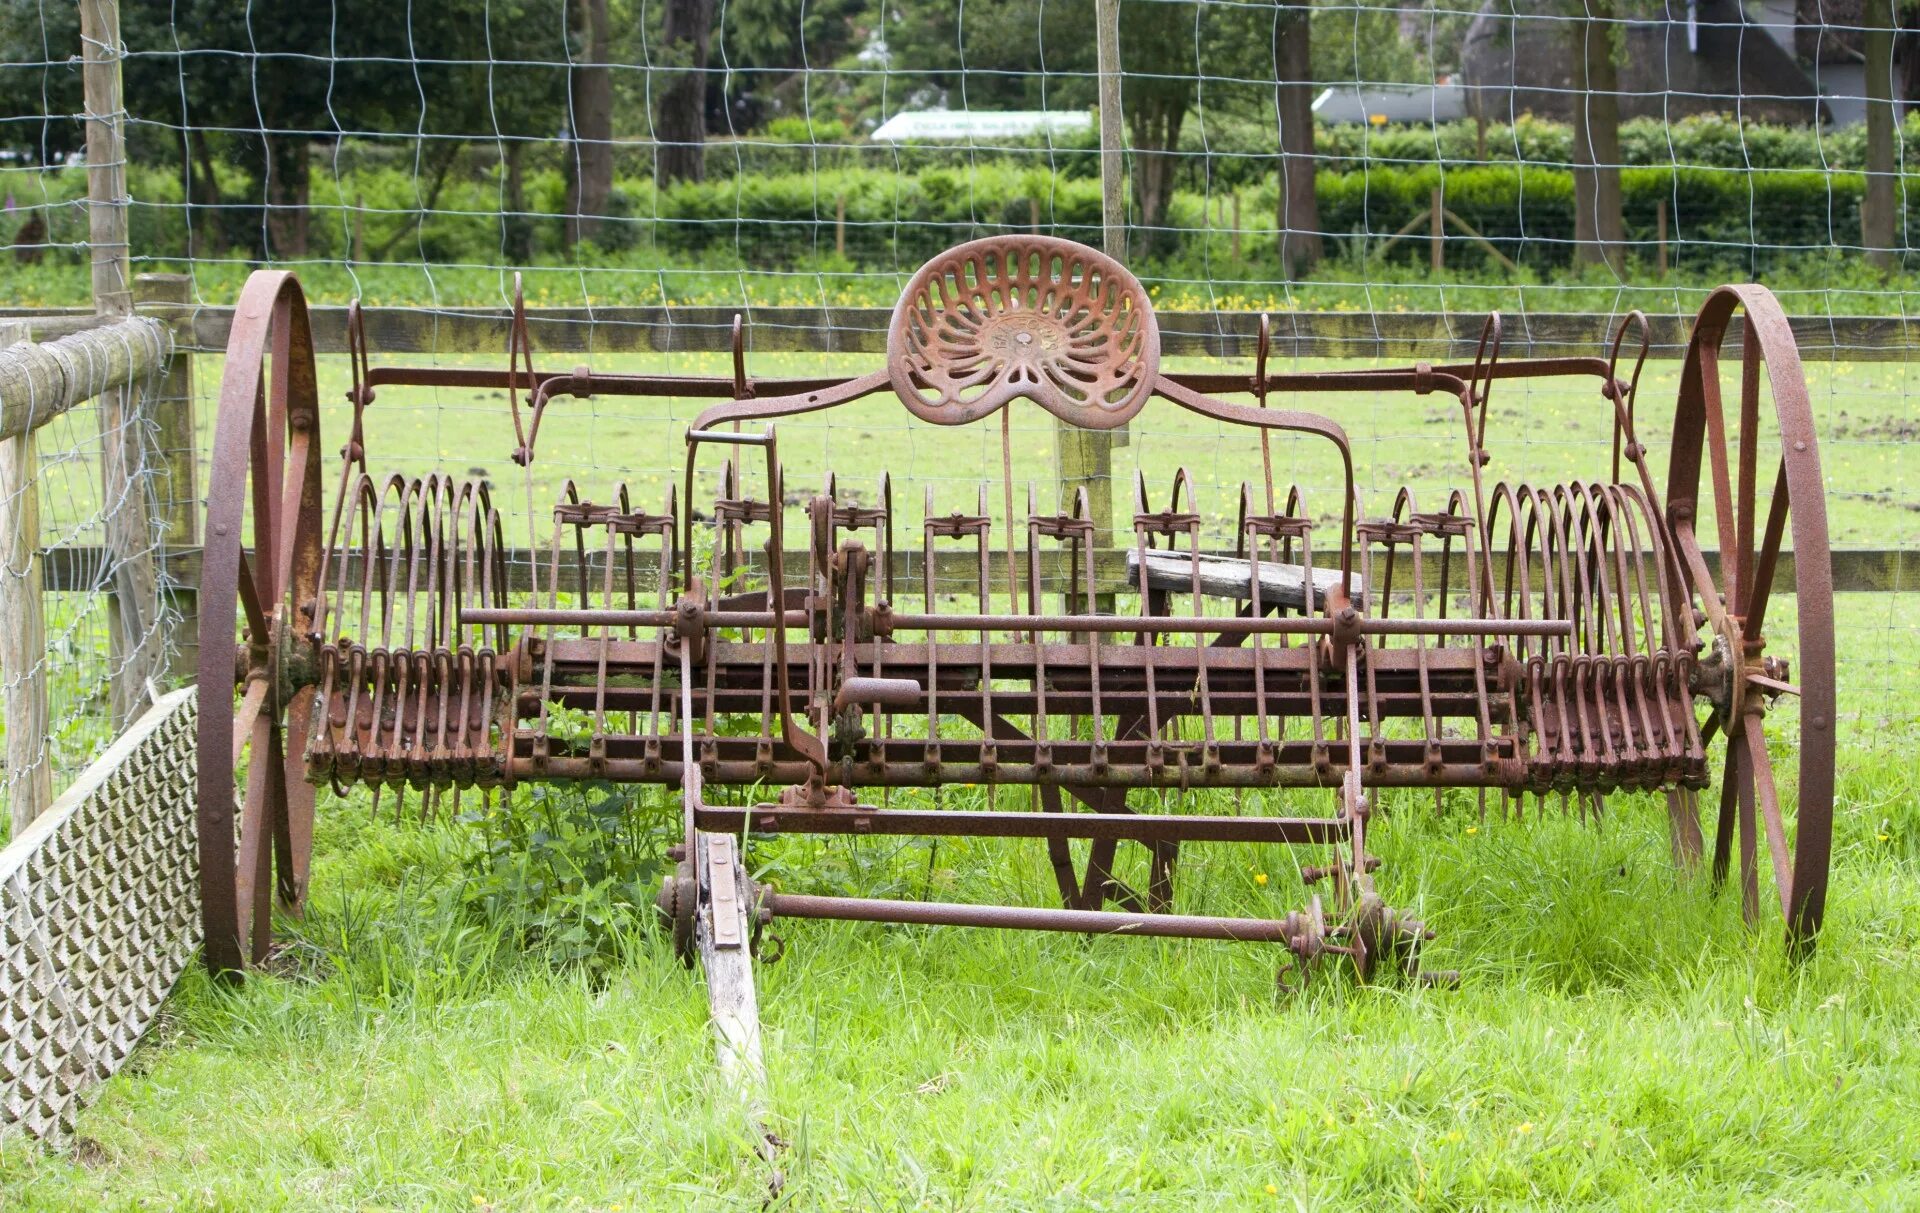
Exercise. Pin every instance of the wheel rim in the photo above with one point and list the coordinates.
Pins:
(1743, 682)
(264, 494)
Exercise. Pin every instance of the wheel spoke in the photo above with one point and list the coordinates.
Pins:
(254, 870)
(1716, 453)
(299, 805)
(1762, 587)
(1769, 799)
(1723, 828)
(248, 715)
(277, 789)
(250, 599)
(1737, 574)
(265, 476)
(1749, 835)
(1762, 682)
(293, 517)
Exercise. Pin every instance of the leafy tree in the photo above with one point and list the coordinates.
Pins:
(590, 120)
(680, 91)
(1879, 214)
(1599, 225)
(259, 84)
(1298, 216)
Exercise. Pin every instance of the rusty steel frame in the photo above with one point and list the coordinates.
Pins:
(1591, 649)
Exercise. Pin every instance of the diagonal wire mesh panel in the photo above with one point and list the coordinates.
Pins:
(99, 913)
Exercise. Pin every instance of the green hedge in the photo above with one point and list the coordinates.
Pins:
(899, 219)
(1527, 211)
(1702, 141)
(1524, 210)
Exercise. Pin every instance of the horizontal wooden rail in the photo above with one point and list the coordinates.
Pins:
(863, 330)
(38, 382)
(1855, 570)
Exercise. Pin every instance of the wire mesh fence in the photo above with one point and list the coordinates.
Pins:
(740, 153)
(652, 167)
(85, 628)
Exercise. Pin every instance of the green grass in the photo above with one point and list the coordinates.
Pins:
(1833, 282)
(1620, 1039)
(1867, 416)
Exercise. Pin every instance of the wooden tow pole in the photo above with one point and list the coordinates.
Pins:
(722, 933)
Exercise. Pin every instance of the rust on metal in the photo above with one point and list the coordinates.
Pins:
(1513, 638)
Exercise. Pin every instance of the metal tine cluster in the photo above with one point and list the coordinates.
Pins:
(411, 689)
(606, 542)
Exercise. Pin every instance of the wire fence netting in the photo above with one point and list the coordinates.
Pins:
(646, 169)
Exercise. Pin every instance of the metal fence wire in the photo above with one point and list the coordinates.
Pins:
(85, 623)
(649, 168)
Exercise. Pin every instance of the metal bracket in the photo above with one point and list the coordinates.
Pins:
(724, 892)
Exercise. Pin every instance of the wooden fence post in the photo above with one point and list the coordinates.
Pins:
(1436, 238)
(134, 640)
(176, 480)
(1660, 236)
(1084, 457)
(23, 643)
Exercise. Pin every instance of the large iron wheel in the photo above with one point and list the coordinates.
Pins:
(1738, 677)
(258, 583)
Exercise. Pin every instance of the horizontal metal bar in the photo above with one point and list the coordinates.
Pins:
(1025, 918)
(73, 567)
(726, 438)
(1225, 625)
(1235, 771)
(1233, 625)
(1141, 827)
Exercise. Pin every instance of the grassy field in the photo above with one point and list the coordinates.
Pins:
(1539, 431)
(1619, 1040)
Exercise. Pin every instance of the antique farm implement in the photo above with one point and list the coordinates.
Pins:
(789, 663)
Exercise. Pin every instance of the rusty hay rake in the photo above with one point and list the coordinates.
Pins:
(1568, 638)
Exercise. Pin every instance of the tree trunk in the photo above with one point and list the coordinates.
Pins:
(213, 226)
(679, 119)
(1599, 229)
(289, 173)
(1298, 215)
(590, 164)
(1154, 127)
(1877, 213)
(1906, 56)
(516, 226)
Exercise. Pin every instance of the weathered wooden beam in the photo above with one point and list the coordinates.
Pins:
(1436, 336)
(38, 382)
(23, 640)
(723, 933)
(44, 324)
(1855, 570)
(1229, 577)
